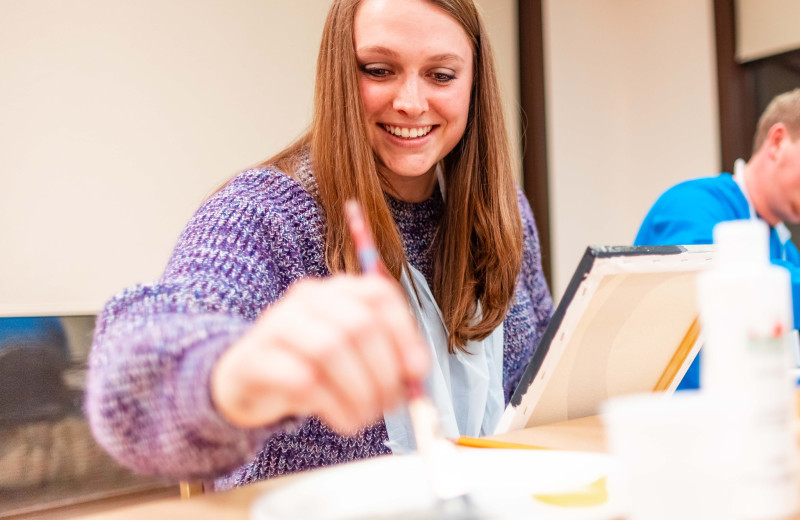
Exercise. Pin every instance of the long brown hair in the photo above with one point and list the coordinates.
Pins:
(478, 247)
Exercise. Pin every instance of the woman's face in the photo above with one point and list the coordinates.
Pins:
(415, 78)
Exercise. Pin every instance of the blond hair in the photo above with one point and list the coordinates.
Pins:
(784, 108)
(478, 248)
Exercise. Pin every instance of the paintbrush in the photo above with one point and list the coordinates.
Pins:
(439, 454)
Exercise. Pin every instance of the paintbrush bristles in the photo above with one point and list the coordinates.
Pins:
(425, 422)
(438, 453)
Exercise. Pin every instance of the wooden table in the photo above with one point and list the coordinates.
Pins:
(586, 434)
(579, 435)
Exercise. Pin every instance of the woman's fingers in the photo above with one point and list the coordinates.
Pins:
(352, 338)
(342, 349)
(330, 352)
(413, 354)
(252, 386)
(380, 359)
(368, 335)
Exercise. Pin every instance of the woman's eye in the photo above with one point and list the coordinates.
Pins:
(443, 77)
(376, 72)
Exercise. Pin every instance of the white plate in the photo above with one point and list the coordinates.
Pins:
(502, 482)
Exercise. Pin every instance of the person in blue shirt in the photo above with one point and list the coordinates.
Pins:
(766, 187)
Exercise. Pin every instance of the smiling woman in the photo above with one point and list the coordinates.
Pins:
(259, 338)
(416, 90)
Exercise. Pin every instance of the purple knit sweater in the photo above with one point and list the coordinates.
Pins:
(148, 396)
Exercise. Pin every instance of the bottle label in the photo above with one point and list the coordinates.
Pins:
(770, 457)
(769, 355)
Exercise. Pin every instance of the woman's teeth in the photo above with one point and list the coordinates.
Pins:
(408, 133)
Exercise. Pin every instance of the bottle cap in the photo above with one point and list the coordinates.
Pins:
(742, 241)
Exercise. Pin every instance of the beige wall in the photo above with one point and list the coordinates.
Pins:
(501, 22)
(766, 27)
(631, 102)
(119, 117)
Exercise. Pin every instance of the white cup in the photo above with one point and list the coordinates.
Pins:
(678, 456)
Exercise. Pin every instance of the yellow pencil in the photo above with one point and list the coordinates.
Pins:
(475, 442)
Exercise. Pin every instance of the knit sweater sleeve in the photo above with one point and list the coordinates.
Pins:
(148, 392)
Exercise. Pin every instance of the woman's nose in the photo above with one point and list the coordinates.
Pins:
(410, 98)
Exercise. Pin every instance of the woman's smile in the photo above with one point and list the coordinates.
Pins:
(408, 133)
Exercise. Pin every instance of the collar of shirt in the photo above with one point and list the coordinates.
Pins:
(784, 235)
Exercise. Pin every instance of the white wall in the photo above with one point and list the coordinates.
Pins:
(631, 110)
(118, 117)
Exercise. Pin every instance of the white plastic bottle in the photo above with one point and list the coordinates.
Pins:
(746, 312)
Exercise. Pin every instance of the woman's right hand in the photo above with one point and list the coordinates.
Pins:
(343, 349)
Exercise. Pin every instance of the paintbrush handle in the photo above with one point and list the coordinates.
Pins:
(437, 452)
(368, 255)
(371, 263)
